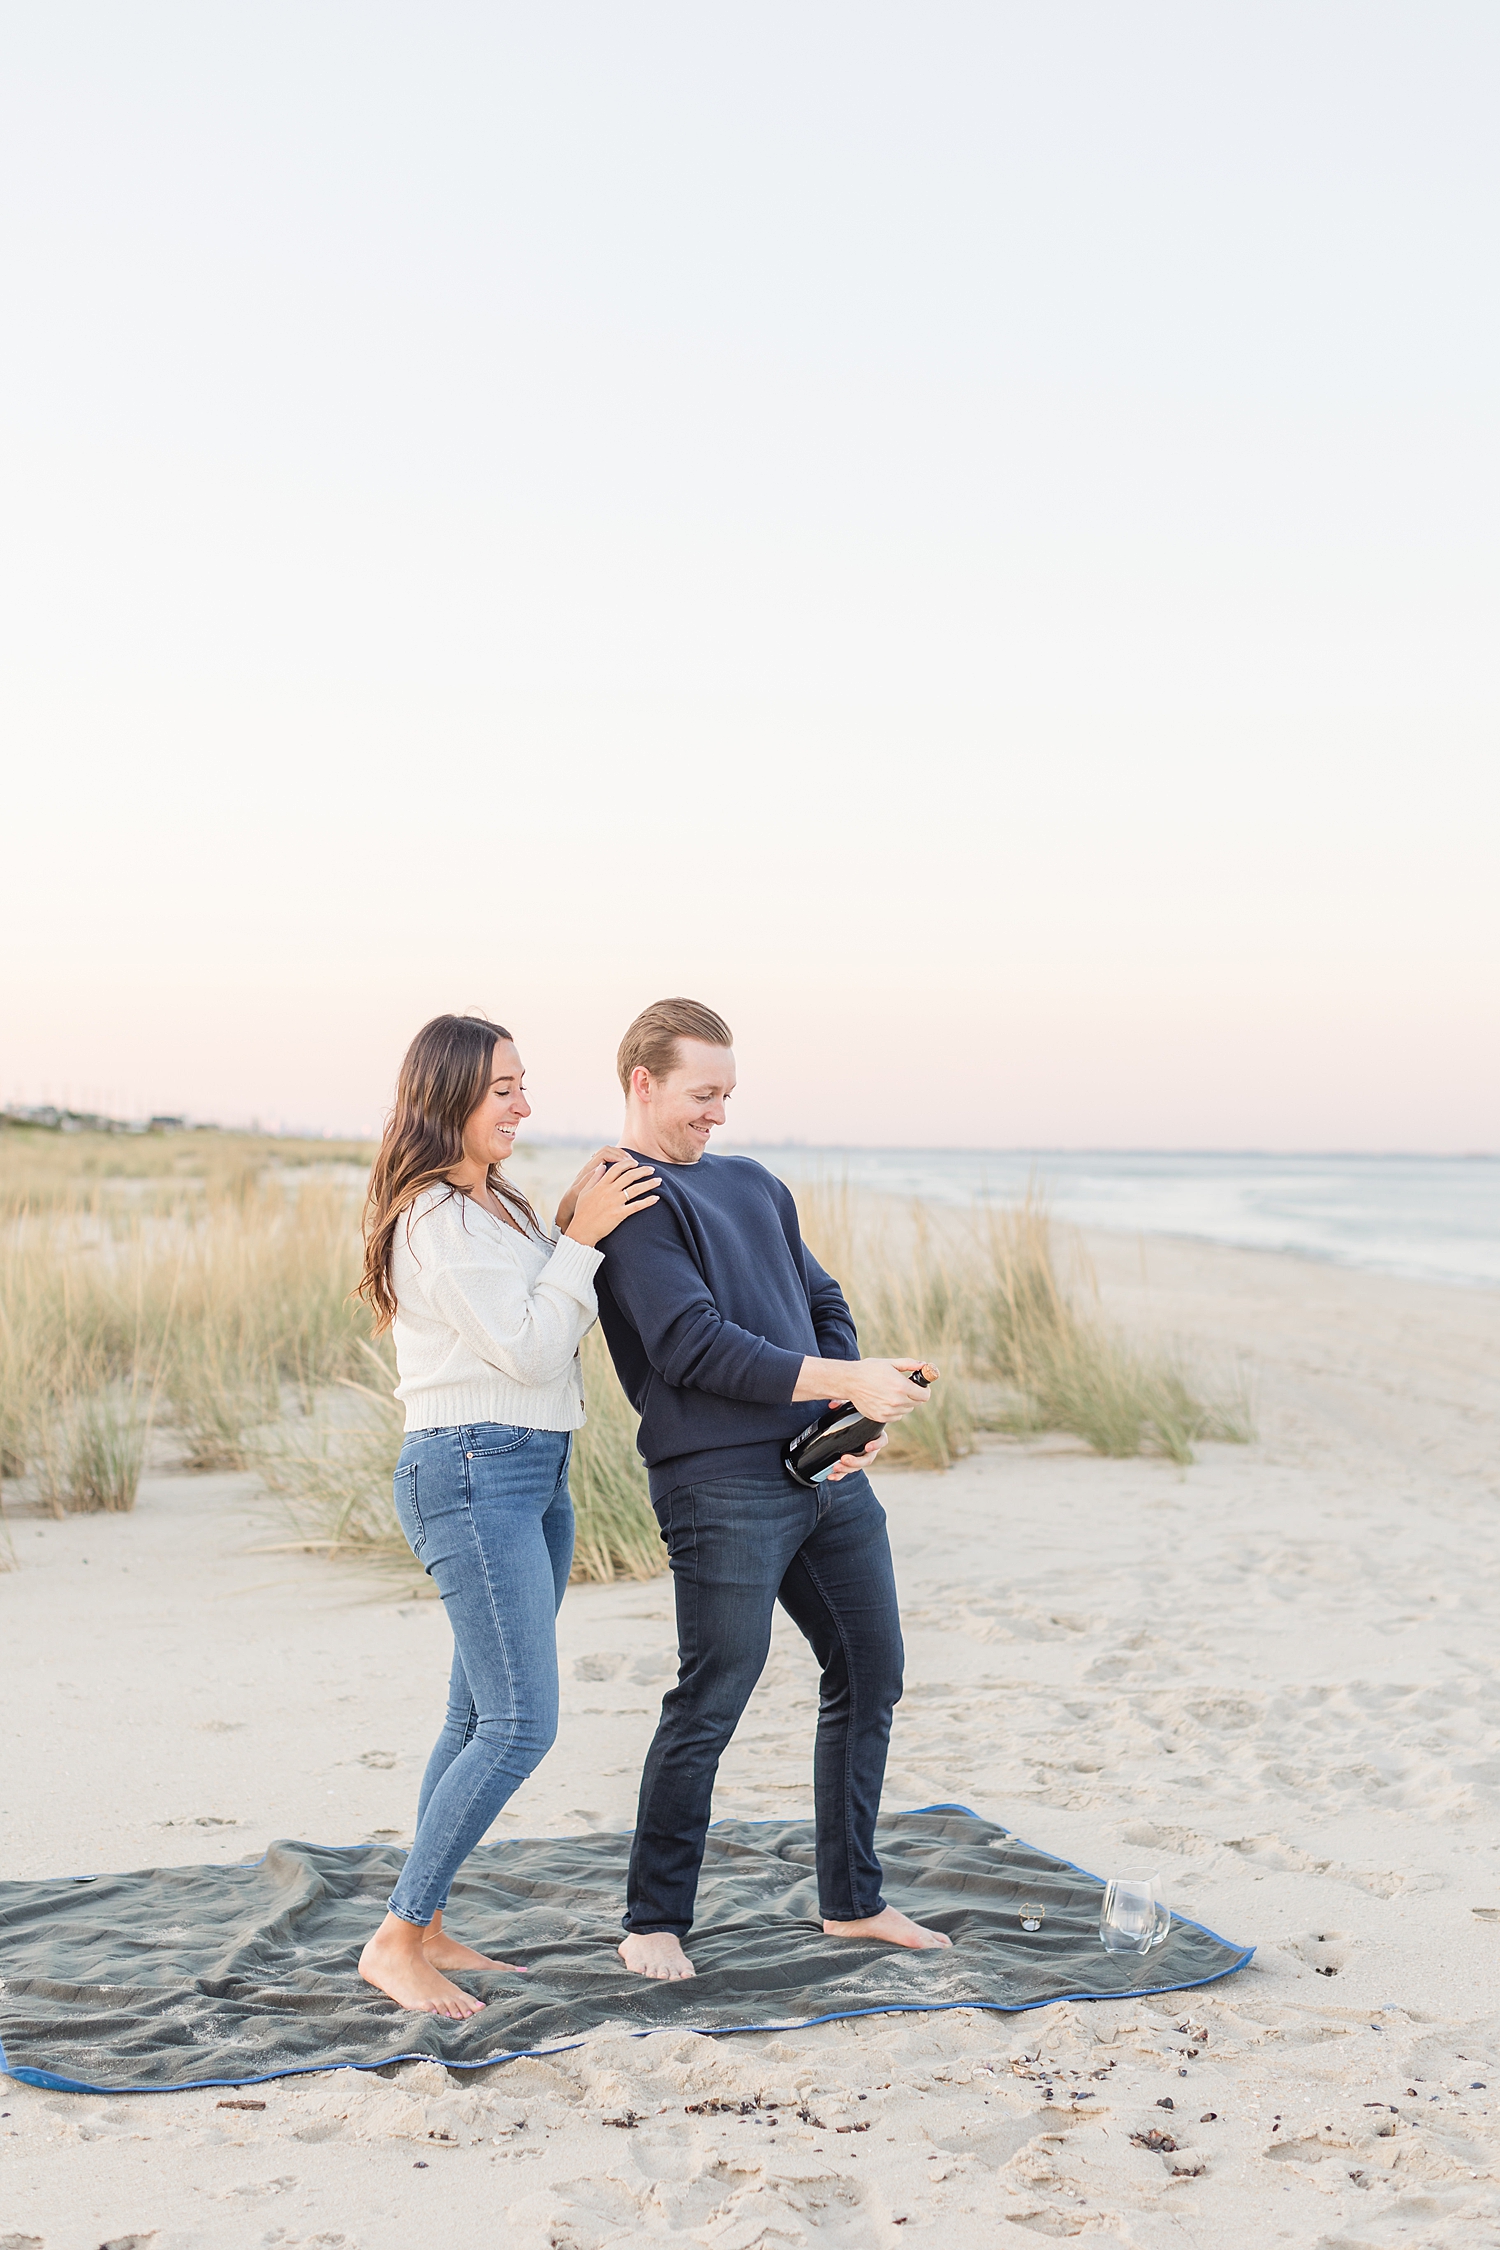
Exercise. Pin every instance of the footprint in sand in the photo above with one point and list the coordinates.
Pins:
(1324, 1951)
(597, 1667)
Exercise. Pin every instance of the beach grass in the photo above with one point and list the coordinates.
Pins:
(199, 1285)
(617, 1533)
(1019, 1350)
(194, 1306)
(43, 1170)
(333, 1468)
(909, 1298)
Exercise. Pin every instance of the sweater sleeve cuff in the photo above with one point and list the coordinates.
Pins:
(782, 1370)
(573, 1266)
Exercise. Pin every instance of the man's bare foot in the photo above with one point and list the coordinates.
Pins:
(396, 1965)
(655, 1954)
(895, 1928)
(446, 1952)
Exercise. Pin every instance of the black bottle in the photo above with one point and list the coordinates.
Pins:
(838, 1430)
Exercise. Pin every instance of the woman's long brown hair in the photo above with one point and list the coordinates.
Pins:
(444, 1077)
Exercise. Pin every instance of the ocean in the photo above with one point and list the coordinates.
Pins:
(1433, 1218)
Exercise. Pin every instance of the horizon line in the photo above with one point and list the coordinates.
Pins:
(27, 1117)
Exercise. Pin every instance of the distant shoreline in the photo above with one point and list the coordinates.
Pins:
(1413, 1215)
(1416, 1217)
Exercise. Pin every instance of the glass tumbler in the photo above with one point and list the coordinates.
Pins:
(1134, 1917)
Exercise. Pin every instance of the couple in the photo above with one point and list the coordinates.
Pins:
(725, 1331)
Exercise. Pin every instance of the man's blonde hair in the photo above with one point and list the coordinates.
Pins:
(651, 1042)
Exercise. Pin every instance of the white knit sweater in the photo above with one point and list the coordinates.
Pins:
(488, 1321)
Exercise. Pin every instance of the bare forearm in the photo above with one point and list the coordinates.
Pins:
(822, 1378)
(878, 1387)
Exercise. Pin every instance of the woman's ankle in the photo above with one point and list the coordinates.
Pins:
(400, 1935)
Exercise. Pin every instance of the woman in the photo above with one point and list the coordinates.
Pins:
(486, 1310)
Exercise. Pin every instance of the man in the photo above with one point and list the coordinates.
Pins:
(728, 1336)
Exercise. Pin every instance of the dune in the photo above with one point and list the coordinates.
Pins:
(1268, 1674)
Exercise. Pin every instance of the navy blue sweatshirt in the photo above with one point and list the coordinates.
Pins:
(709, 1303)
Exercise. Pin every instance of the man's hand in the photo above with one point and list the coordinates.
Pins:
(850, 1462)
(592, 1170)
(878, 1387)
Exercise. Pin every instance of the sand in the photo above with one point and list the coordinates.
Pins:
(1270, 1675)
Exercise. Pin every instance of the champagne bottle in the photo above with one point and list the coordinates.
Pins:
(809, 1456)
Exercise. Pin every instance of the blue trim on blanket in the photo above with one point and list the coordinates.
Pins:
(50, 2082)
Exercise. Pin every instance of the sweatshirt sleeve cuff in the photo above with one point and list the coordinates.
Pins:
(781, 1370)
(573, 1266)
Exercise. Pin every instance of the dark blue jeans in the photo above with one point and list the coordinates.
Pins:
(737, 1547)
(486, 1512)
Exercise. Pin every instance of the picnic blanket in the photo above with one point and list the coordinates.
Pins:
(221, 1976)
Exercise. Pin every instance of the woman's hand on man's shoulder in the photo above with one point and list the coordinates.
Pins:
(590, 1171)
(614, 1189)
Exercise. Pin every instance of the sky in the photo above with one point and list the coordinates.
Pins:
(964, 536)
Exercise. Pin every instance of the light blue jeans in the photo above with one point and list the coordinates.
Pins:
(486, 1512)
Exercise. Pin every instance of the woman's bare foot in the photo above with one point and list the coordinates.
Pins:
(396, 1965)
(895, 1928)
(445, 1951)
(655, 1954)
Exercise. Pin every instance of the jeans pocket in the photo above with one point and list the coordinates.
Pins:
(408, 1514)
(496, 1437)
